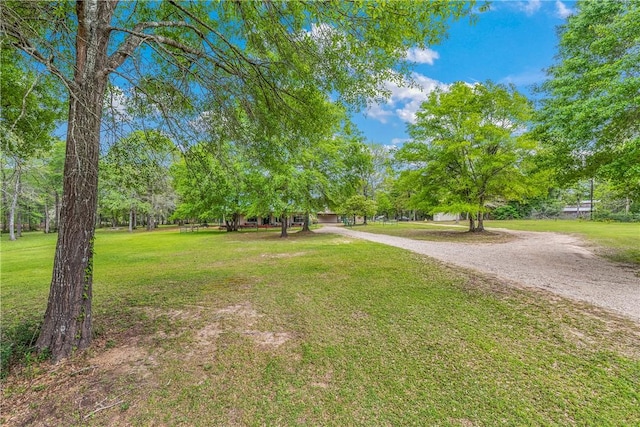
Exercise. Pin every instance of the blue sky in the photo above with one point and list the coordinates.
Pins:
(513, 42)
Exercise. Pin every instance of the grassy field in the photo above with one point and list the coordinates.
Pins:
(617, 241)
(211, 328)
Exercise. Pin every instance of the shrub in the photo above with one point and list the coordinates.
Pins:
(506, 212)
(17, 345)
(616, 217)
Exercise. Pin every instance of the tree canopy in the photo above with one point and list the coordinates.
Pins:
(469, 148)
(591, 110)
(179, 59)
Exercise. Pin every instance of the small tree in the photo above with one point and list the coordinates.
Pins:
(359, 205)
(469, 148)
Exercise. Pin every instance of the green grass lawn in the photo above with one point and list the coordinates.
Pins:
(419, 230)
(215, 328)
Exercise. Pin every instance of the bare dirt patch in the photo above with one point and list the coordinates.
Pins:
(100, 385)
(76, 390)
(284, 255)
(268, 339)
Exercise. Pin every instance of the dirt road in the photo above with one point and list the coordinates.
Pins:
(555, 262)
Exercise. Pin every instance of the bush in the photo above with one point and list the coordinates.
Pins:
(17, 345)
(616, 217)
(506, 212)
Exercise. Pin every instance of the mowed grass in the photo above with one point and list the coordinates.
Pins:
(215, 328)
(438, 232)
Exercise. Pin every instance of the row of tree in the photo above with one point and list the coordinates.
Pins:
(242, 90)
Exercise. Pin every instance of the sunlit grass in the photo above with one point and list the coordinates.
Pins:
(370, 335)
(448, 232)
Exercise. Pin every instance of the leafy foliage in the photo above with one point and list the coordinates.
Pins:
(359, 205)
(180, 59)
(470, 149)
(590, 115)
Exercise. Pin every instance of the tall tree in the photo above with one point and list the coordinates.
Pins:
(212, 182)
(135, 172)
(229, 52)
(30, 111)
(590, 115)
(469, 147)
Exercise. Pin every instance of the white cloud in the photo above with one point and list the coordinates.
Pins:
(531, 6)
(526, 78)
(398, 141)
(422, 56)
(377, 112)
(404, 101)
(117, 103)
(562, 11)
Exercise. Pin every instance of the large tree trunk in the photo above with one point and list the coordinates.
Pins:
(233, 224)
(307, 220)
(19, 223)
(480, 226)
(151, 218)
(131, 216)
(283, 228)
(472, 222)
(67, 322)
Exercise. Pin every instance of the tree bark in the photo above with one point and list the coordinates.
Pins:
(480, 226)
(130, 220)
(233, 224)
(283, 228)
(68, 319)
(305, 226)
(472, 222)
(57, 212)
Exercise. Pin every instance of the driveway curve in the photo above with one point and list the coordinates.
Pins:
(556, 262)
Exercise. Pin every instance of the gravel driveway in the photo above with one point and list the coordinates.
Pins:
(555, 262)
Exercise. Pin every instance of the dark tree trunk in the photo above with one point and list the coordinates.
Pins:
(233, 224)
(131, 219)
(19, 223)
(68, 319)
(283, 228)
(472, 222)
(305, 226)
(480, 226)
(150, 216)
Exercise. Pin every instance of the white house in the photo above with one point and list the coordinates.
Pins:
(445, 217)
